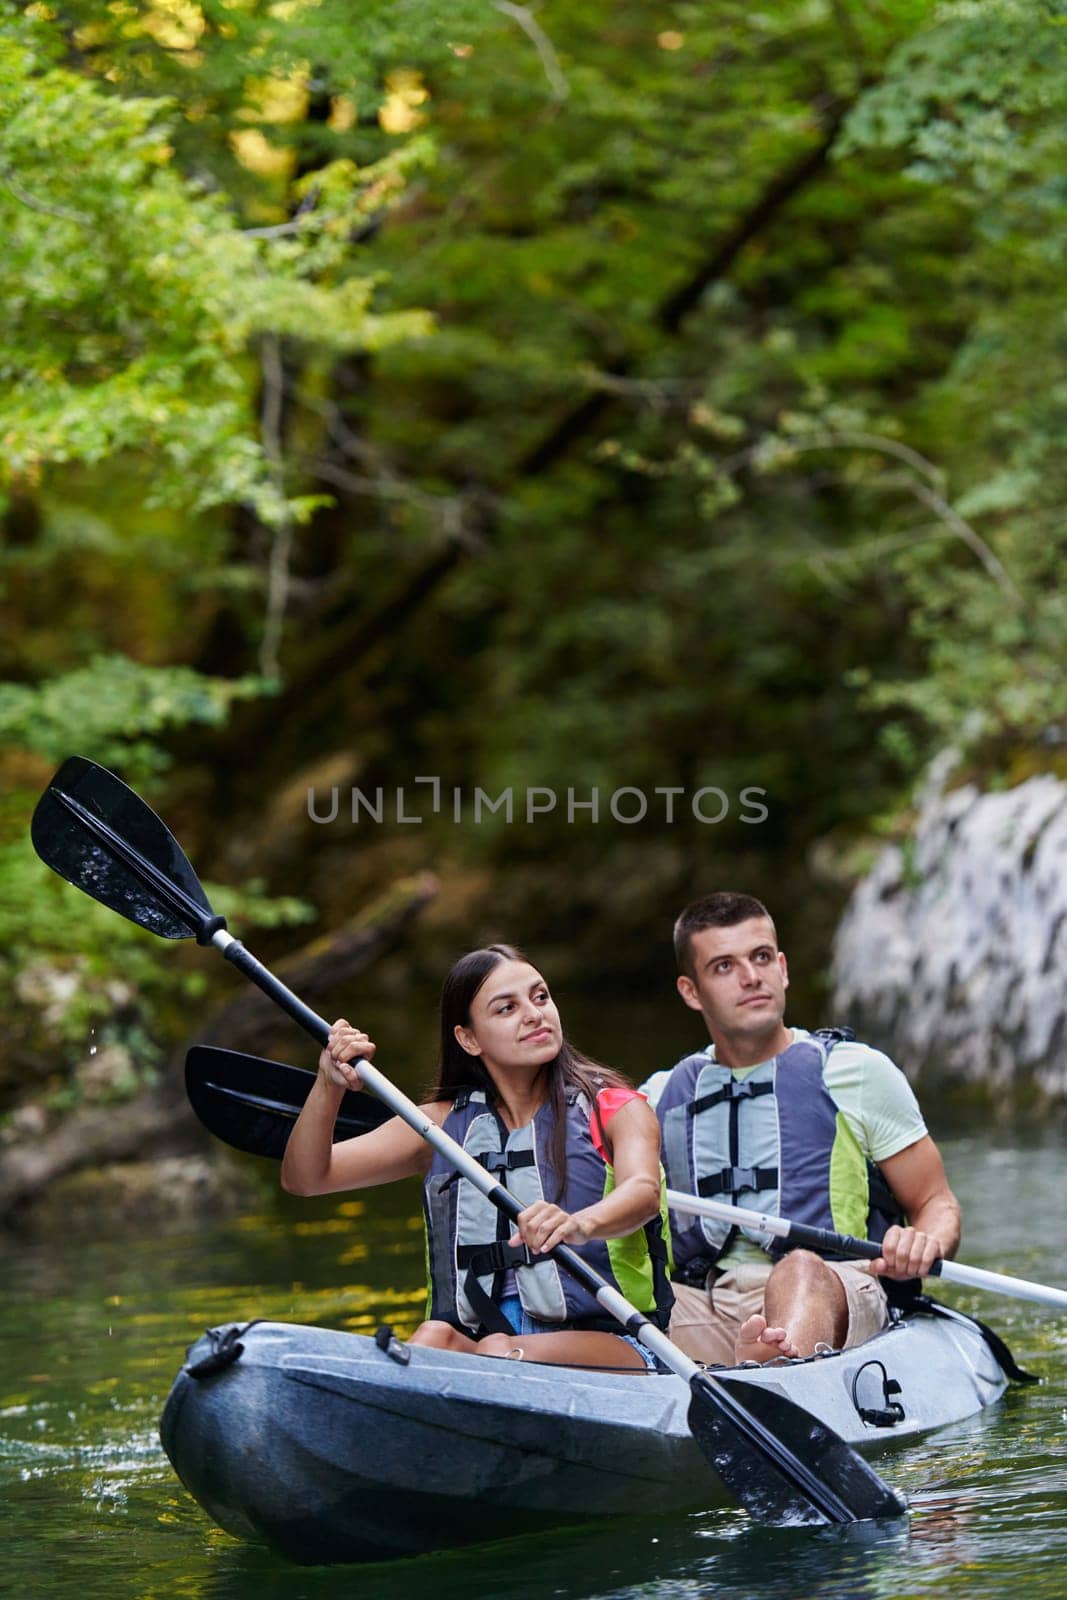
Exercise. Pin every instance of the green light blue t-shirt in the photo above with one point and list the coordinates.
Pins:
(870, 1091)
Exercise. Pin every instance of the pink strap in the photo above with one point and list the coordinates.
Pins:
(608, 1102)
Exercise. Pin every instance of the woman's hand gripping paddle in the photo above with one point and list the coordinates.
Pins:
(779, 1462)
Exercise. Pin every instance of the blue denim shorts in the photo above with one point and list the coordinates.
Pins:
(522, 1322)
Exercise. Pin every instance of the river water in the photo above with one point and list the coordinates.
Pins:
(94, 1326)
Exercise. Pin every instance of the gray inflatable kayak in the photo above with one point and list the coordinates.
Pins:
(329, 1448)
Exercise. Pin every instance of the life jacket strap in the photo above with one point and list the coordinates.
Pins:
(496, 1161)
(506, 1160)
(499, 1256)
(732, 1180)
(735, 1089)
(480, 1260)
(694, 1274)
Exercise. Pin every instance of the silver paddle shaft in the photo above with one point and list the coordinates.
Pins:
(781, 1228)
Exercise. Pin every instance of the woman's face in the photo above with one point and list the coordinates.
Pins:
(513, 1019)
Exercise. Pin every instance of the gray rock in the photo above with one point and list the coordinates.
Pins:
(952, 953)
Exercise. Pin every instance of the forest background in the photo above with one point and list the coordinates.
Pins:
(573, 397)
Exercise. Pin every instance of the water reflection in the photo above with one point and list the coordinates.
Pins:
(719, 1553)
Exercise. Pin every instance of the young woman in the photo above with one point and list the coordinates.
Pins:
(571, 1140)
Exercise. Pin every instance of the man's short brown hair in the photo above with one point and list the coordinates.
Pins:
(723, 909)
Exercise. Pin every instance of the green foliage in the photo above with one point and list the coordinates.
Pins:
(77, 978)
(968, 97)
(131, 296)
(860, 311)
(115, 710)
(575, 395)
(134, 296)
(119, 291)
(976, 104)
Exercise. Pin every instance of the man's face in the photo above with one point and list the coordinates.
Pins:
(739, 978)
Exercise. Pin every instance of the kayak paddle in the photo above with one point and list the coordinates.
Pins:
(780, 1462)
(798, 1234)
(251, 1104)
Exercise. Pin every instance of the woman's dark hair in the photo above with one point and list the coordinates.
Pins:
(457, 1070)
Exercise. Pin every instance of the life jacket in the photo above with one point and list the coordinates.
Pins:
(468, 1255)
(773, 1141)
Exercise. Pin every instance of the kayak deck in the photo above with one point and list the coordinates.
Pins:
(327, 1448)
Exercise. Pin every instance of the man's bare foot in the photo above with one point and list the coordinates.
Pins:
(757, 1342)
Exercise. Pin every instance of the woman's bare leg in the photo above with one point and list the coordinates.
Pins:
(443, 1336)
(570, 1349)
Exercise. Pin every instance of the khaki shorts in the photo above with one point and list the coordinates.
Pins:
(705, 1322)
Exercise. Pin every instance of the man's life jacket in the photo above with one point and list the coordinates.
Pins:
(772, 1141)
(468, 1255)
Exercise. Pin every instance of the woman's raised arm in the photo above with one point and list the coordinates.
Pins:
(313, 1164)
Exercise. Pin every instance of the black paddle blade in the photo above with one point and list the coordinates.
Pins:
(251, 1103)
(95, 832)
(781, 1463)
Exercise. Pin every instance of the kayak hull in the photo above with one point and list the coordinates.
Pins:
(328, 1449)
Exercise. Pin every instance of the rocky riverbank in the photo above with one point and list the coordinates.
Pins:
(952, 954)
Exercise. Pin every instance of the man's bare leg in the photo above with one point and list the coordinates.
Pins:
(804, 1305)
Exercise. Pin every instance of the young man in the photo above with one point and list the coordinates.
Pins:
(782, 1121)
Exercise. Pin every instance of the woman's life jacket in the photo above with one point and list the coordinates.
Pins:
(468, 1255)
(773, 1141)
